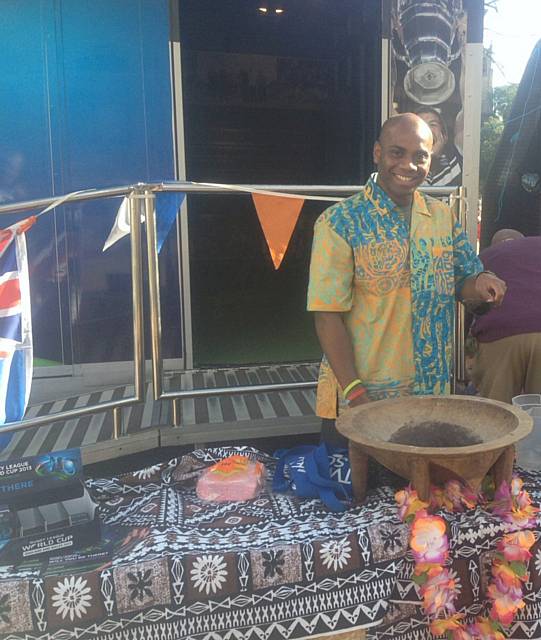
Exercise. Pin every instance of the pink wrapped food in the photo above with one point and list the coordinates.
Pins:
(232, 479)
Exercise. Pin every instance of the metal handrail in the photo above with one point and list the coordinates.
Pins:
(141, 198)
(155, 307)
(193, 187)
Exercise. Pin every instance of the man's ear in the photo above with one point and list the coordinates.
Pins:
(376, 152)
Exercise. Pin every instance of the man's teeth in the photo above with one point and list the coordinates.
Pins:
(403, 178)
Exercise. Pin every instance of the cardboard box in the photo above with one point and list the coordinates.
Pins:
(47, 529)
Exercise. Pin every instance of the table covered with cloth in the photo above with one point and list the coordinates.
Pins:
(272, 568)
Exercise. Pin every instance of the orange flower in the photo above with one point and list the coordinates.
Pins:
(441, 626)
(515, 546)
(428, 540)
(438, 592)
(504, 575)
(483, 628)
(408, 503)
(504, 606)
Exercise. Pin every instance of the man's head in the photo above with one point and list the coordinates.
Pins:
(402, 154)
(437, 125)
(503, 235)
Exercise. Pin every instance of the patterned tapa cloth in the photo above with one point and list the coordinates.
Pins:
(395, 287)
(276, 567)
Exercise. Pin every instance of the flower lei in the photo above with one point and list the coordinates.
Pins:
(430, 548)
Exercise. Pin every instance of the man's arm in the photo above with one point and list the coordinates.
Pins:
(471, 282)
(336, 344)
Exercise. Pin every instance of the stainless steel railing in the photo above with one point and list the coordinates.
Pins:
(142, 200)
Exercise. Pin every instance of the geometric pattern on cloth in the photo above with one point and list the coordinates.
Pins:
(274, 567)
(277, 567)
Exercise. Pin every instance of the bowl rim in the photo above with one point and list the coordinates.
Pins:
(523, 429)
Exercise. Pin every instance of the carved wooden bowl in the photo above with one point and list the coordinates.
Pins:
(498, 425)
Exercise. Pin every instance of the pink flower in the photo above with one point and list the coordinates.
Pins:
(438, 592)
(504, 607)
(505, 592)
(515, 546)
(429, 540)
(514, 505)
(503, 500)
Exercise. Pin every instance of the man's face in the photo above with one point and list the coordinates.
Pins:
(402, 156)
(435, 124)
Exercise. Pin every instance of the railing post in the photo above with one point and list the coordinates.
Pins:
(176, 412)
(459, 373)
(117, 423)
(154, 293)
(134, 211)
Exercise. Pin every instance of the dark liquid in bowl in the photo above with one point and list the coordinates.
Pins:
(435, 434)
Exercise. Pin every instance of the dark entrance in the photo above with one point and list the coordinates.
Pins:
(274, 93)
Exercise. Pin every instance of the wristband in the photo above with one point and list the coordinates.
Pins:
(351, 386)
(357, 393)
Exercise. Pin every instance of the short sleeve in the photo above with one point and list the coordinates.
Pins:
(331, 270)
(466, 261)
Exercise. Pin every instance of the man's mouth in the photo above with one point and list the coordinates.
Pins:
(405, 179)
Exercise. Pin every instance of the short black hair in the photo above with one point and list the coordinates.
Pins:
(435, 112)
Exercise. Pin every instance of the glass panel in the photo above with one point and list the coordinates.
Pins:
(270, 98)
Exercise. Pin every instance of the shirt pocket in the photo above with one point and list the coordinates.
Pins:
(382, 266)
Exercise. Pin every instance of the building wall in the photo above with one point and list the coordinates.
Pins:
(85, 102)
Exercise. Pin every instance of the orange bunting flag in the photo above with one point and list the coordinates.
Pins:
(278, 216)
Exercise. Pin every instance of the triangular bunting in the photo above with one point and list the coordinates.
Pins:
(167, 206)
(278, 216)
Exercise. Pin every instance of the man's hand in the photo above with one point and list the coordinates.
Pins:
(490, 288)
(363, 399)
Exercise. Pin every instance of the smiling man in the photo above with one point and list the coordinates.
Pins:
(386, 267)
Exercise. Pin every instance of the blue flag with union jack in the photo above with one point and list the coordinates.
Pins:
(15, 325)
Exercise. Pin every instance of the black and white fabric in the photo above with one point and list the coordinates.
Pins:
(274, 567)
(277, 567)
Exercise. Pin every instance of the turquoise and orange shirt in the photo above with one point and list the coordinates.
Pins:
(395, 287)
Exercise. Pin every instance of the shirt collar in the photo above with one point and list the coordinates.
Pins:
(383, 201)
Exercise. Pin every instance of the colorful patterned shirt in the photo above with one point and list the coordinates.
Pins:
(396, 290)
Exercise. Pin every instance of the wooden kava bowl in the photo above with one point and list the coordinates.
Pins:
(498, 425)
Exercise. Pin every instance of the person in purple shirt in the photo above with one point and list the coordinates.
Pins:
(508, 360)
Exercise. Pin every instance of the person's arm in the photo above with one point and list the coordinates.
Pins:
(485, 287)
(336, 344)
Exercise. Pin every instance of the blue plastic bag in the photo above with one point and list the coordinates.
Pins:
(315, 472)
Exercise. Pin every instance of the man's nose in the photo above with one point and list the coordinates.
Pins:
(409, 164)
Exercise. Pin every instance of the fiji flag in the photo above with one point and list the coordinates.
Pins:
(15, 325)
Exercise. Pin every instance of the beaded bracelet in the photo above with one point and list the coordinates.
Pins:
(351, 386)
